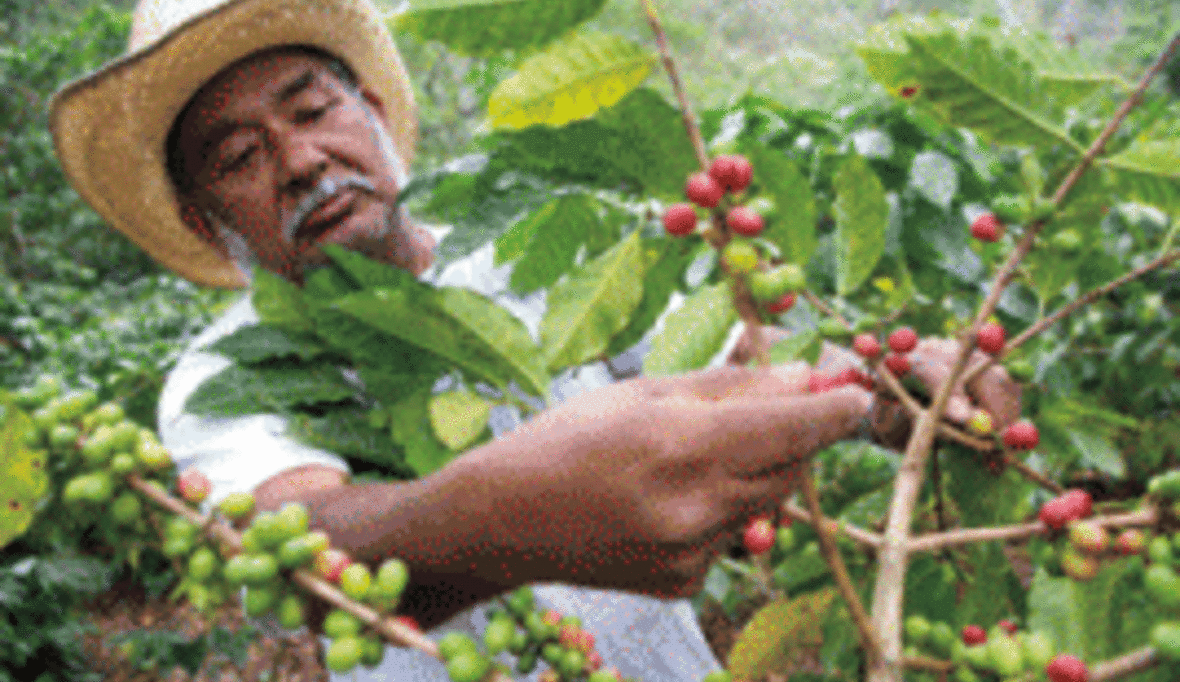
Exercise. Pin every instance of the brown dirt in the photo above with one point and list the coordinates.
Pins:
(291, 658)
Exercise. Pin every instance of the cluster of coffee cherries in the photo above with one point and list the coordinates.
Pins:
(277, 542)
(775, 288)
(1079, 551)
(1004, 650)
(95, 447)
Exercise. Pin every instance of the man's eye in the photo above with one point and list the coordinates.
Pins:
(312, 115)
(229, 163)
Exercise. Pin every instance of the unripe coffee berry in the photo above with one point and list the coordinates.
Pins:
(740, 257)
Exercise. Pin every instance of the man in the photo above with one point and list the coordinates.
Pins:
(238, 133)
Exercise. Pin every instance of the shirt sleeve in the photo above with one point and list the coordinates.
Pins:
(236, 453)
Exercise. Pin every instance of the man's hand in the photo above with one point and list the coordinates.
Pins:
(640, 485)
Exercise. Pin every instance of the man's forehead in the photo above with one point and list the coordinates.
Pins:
(256, 80)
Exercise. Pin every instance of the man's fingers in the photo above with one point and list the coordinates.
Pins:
(729, 382)
(997, 393)
(753, 435)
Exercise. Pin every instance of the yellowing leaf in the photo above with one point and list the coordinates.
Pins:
(780, 634)
(25, 481)
(458, 417)
(569, 81)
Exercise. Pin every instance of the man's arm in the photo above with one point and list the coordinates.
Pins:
(422, 522)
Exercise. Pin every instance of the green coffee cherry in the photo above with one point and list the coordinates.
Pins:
(292, 612)
(497, 636)
(236, 506)
(126, 509)
(93, 488)
(261, 599)
(97, 449)
(741, 257)
(122, 464)
(468, 667)
(340, 623)
(344, 654)
(202, 565)
(454, 643)
(373, 651)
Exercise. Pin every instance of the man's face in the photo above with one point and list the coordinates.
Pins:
(288, 157)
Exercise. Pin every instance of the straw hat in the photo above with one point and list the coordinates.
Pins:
(110, 127)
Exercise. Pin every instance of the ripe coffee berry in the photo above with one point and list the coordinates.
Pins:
(732, 172)
(973, 634)
(903, 340)
(744, 221)
(680, 219)
(990, 338)
(703, 190)
(782, 305)
(1008, 626)
(1079, 502)
(759, 535)
(193, 485)
(1055, 514)
(867, 346)
(987, 228)
(908, 91)
(898, 365)
(1066, 668)
(1021, 436)
(818, 382)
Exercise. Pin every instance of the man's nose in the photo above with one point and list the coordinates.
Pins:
(303, 163)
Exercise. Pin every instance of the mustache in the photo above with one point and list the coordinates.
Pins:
(322, 191)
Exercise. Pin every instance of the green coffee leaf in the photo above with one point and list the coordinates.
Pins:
(412, 429)
(558, 229)
(570, 81)
(665, 261)
(806, 345)
(238, 390)
(348, 434)
(25, 481)
(993, 90)
(693, 333)
(862, 216)
(1149, 172)
(458, 417)
(792, 228)
(278, 302)
(484, 28)
(255, 344)
(639, 144)
(593, 304)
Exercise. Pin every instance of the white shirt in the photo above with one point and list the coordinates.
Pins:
(653, 639)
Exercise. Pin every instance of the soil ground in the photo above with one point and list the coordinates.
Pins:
(292, 658)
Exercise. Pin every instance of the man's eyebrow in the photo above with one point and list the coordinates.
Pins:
(296, 86)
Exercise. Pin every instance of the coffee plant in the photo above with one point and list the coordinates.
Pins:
(1007, 195)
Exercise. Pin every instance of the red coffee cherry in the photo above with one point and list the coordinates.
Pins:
(733, 172)
(703, 190)
(898, 365)
(908, 91)
(1066, 668)
(680, 219)
(867, 346)
(973, 634)
(990, 338)
(1055, 513)
(1079, 503)
(903, 340)
(782, 305)
(1008, 626)
(744, 221)
(1022, 436)
(759, 535)
(987, 228)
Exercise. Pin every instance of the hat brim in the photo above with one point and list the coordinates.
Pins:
(110, 127)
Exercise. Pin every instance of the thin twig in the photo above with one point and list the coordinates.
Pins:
(690, 124)
(824, 308)
(926, 663)
(936, 541)
(1071, 308)
(889, 590)
(827, 544)
(1127, 664)
(866, 538)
